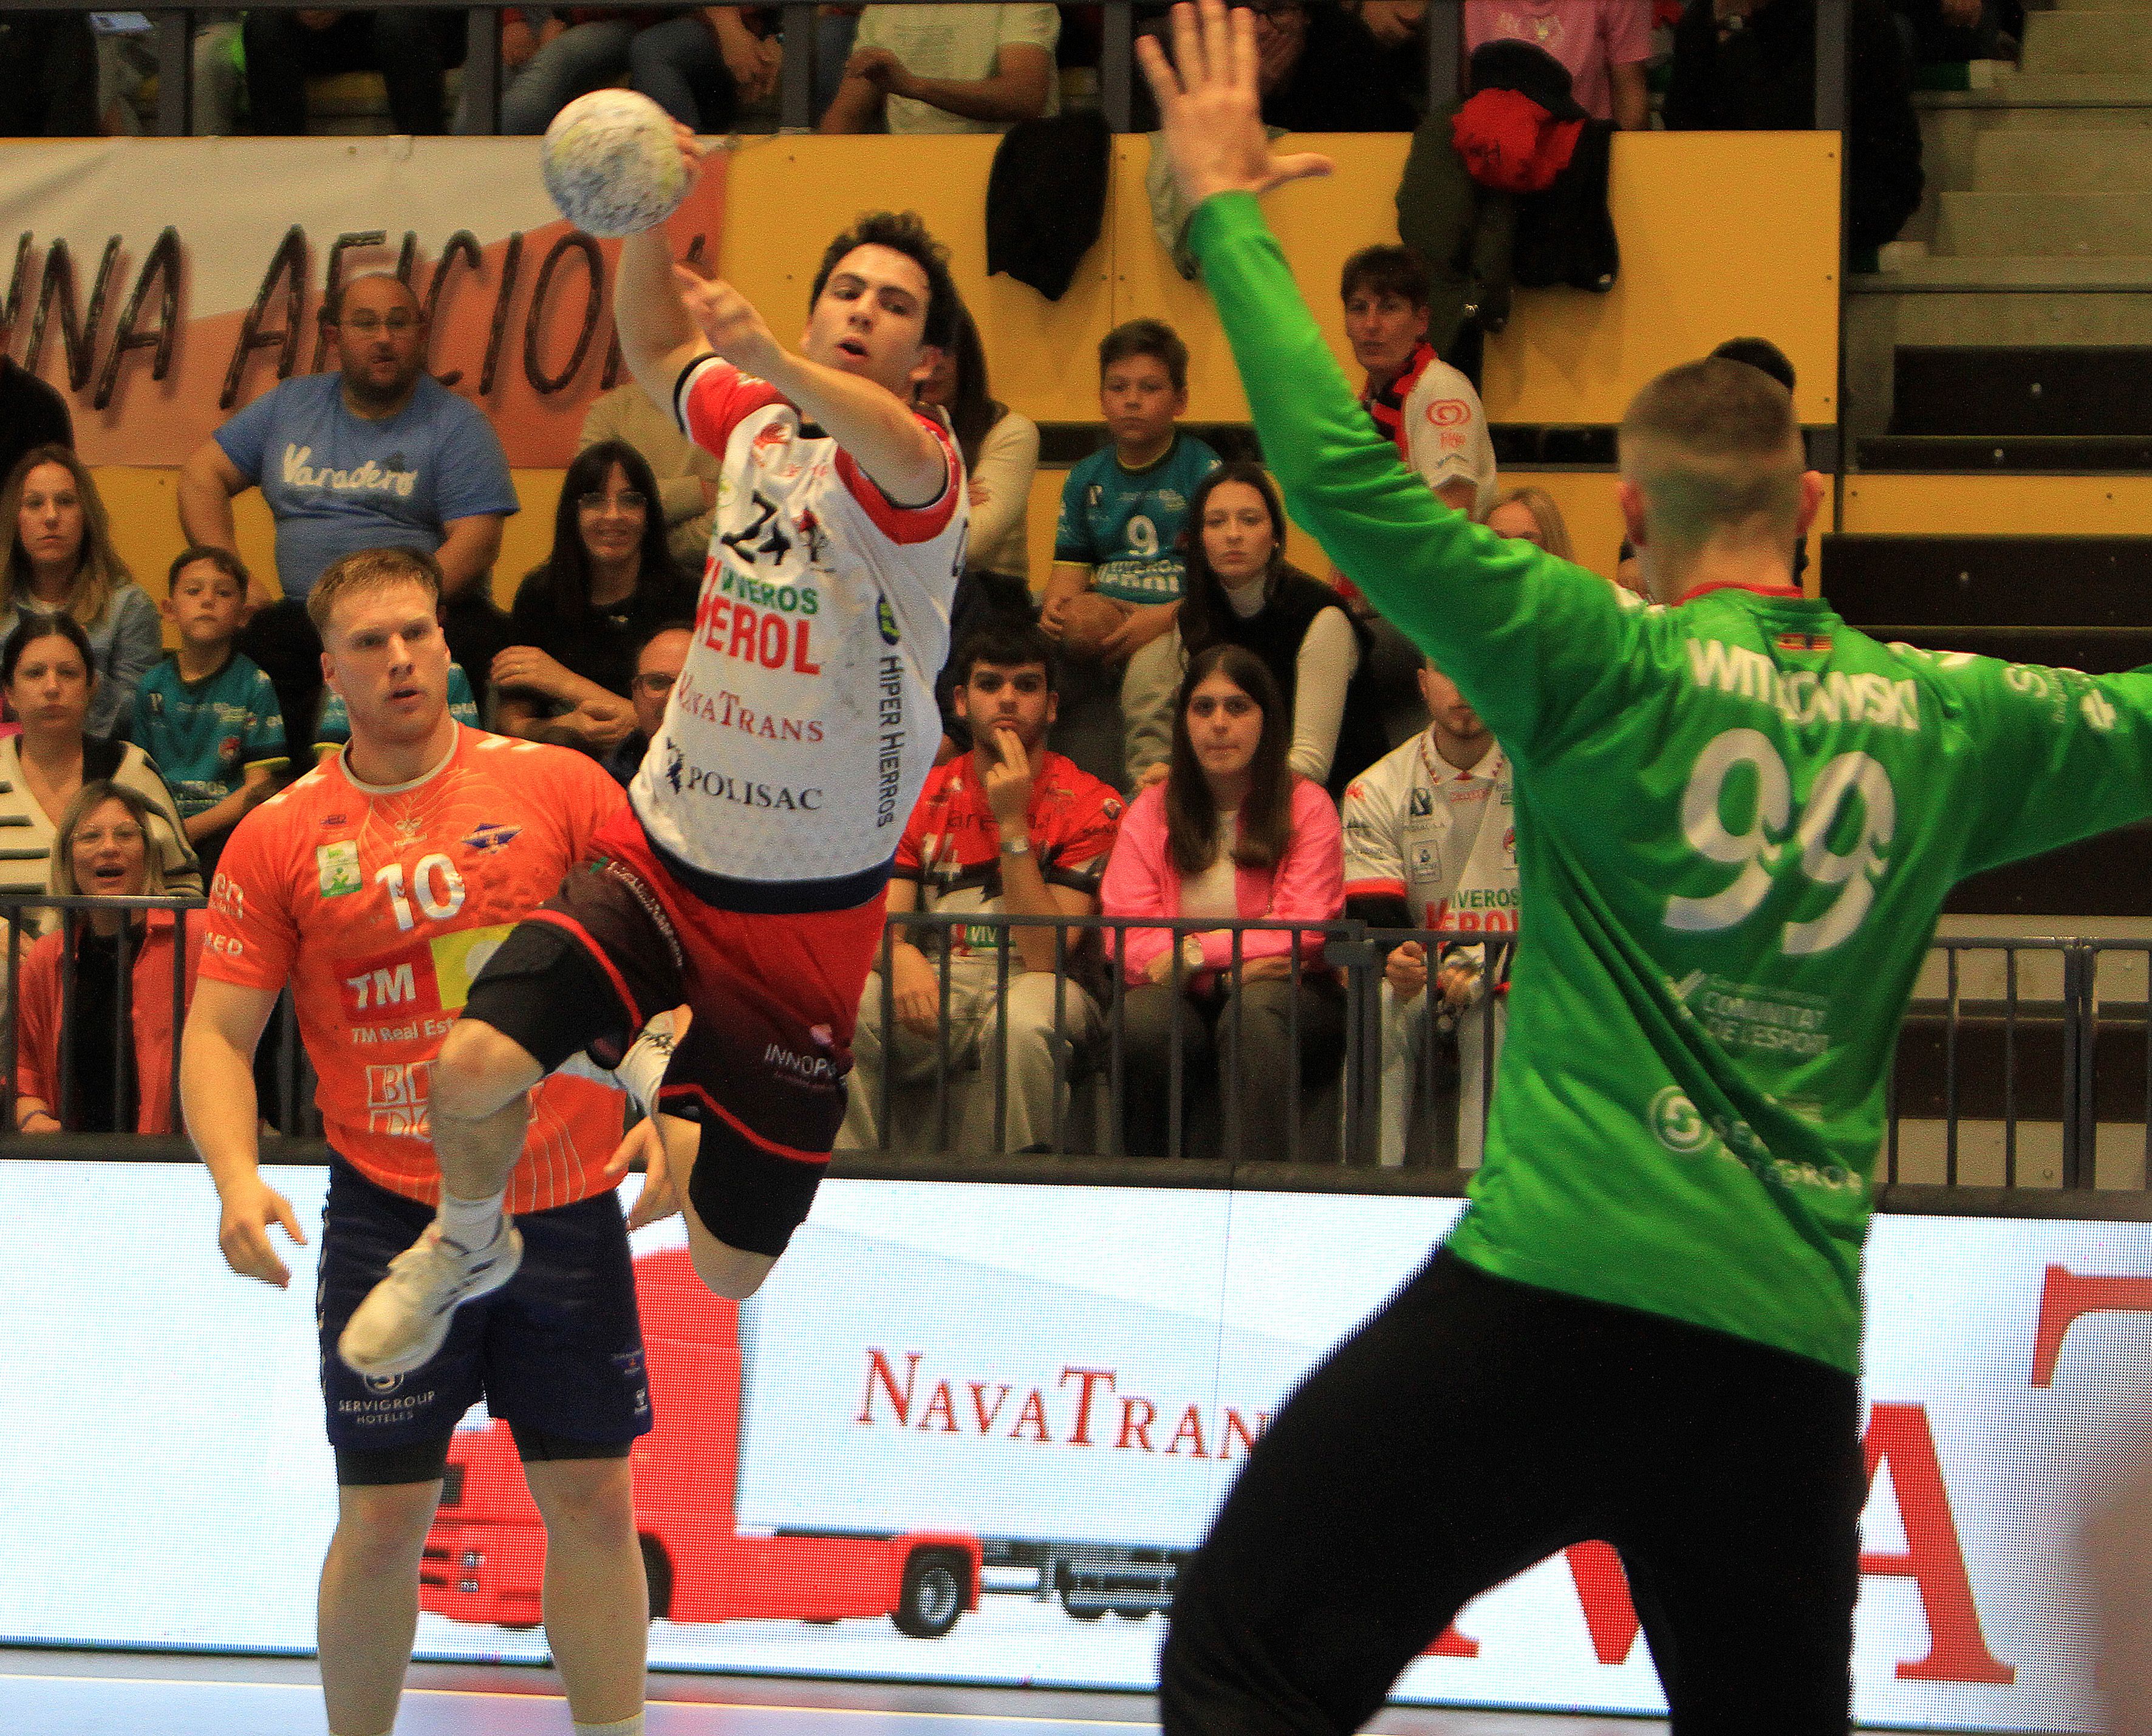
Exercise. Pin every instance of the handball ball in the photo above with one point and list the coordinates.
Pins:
(1087, 620)
(612, 165)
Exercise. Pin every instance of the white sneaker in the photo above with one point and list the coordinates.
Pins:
(642, 1070)
(405, 1318)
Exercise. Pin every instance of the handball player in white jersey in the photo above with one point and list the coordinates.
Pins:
(747, 881)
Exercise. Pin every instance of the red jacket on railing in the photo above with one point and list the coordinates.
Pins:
(37, 1020)
(1308, 886)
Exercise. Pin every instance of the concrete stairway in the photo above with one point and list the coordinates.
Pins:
(2036, 231)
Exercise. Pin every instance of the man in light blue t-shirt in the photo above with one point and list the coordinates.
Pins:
(377, 454)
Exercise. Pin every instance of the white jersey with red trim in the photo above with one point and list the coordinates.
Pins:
(1443, 840)
(803, 724)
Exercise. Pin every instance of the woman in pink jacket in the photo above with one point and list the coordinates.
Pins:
(1231, 833)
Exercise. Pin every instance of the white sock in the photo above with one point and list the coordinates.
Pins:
(470, 1223)
(625, 1726)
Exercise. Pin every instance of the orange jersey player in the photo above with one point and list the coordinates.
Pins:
(376, 886)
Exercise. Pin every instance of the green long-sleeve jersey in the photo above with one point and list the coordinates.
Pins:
(1737, 820)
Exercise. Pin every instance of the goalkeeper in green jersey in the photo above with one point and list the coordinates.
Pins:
(1737, 820)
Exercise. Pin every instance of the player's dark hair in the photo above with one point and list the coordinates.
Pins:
(565, 577)
(1007, 644)
(1191, 811)
(1759, 353)
(34, 626)
(973, 409)
(904, 233)
(365, 570)
(223, 559)
(1204, 609)
(1151, 337)
(1385, 271)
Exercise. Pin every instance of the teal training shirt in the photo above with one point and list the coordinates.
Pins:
(1126, 525)
(207, 735)
(1737, 820)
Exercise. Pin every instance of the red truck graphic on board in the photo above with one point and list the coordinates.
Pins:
(485, 1554)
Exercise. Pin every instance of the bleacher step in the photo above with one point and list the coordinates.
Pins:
(2055, 390)
(1946, 582)
(2023, 159)
(2105, 43)
(2025, 223)
(1990, 454)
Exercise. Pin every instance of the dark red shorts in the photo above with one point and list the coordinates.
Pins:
(775, 999)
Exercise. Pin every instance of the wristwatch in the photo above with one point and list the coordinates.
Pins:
(1016, 847)
(1192, 951)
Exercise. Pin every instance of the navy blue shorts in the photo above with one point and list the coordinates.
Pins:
(556, 1352)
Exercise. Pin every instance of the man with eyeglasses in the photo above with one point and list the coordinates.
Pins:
(658, 662)
(376, 454)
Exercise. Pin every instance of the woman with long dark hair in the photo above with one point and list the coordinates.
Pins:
(1000, 449)
(1231, 833)
(609, 583)
(61, 561)
(1240, 590)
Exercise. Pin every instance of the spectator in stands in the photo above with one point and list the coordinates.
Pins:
(1431, 843)
(1321, 68)
(1230, 834)
(1356, 67)
(1242, 589)
(411, 48)
(49, 679)
(61, 559)
(205, 713)
(1431, 414)
(1743, 65)
(658, 662)
(1529, 514)
(1604, 44)
(970, 68)
(1118, 568)
(32, 413)
(1000, 449)
(566, 674)
(48, 77)
(1937, 31)
(104, 849)
(699, 64)
(687, 474)
(378, 453)
(1009, 827)
(1423, 405)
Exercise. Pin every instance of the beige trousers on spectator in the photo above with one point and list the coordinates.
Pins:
(974, 990)
(1404, 1066)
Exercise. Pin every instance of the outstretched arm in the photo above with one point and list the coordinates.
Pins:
(1525, 637)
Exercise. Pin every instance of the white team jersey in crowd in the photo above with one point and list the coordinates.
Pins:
(803, 724)
(1443, 840)
(1446, 432)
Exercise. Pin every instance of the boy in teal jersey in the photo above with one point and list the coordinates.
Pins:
(206, 714)
(1119, 534)
(1738, 819)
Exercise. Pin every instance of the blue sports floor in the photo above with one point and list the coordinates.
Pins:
(84, 1693)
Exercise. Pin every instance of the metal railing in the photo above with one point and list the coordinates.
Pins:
(2023, 1066)
(282, 1071)
(1444, 35)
